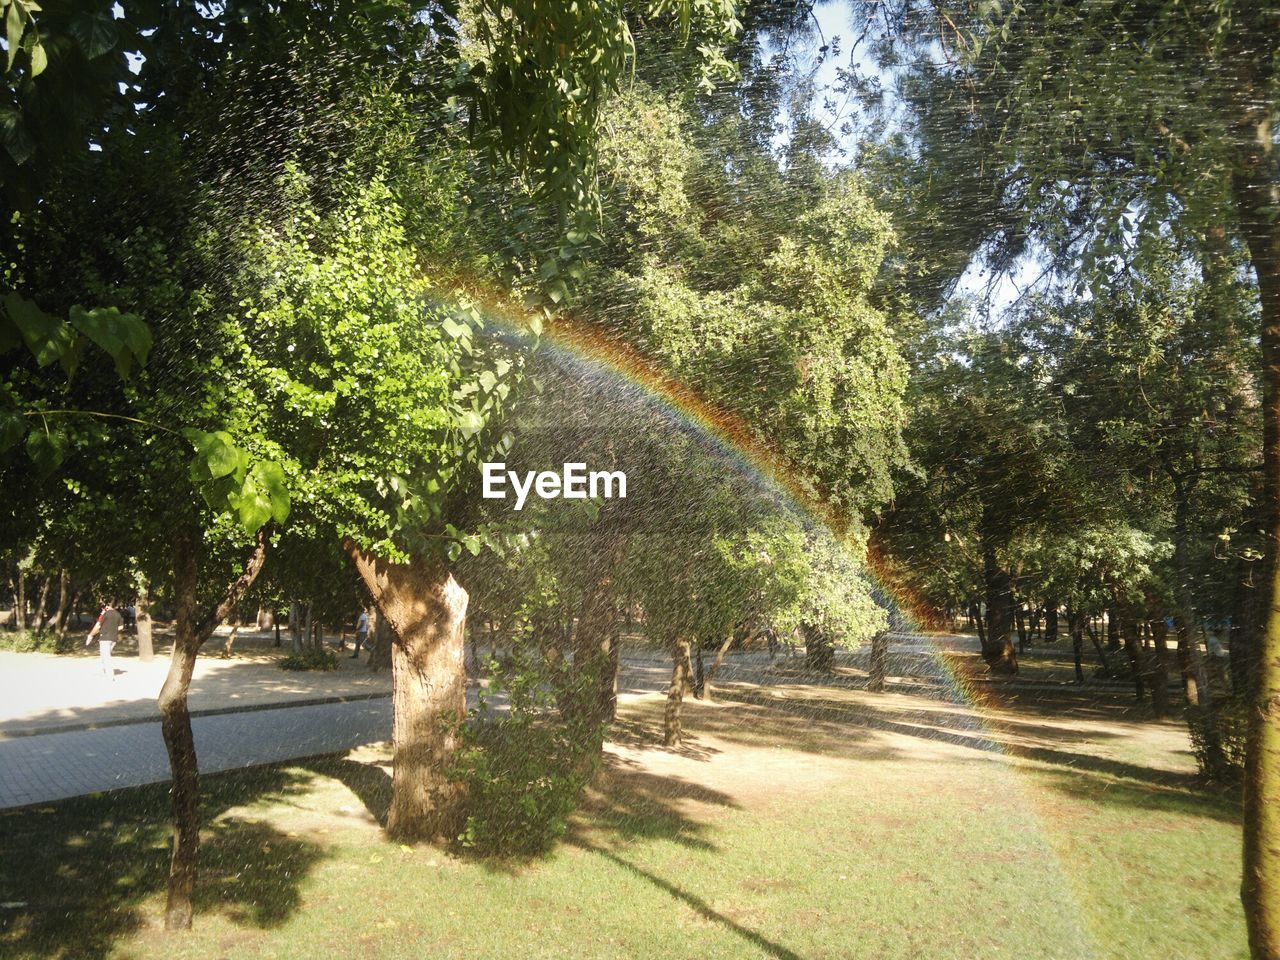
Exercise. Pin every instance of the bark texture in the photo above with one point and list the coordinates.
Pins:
(426, 610)
(1256, 186)
(190, 633)
(681, 670)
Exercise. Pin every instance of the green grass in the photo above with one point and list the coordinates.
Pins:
(768, 837)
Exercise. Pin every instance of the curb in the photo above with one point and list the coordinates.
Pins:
(211, 712)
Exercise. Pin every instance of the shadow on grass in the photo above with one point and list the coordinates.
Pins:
(965, 730)
(78, 875)
(697, 904)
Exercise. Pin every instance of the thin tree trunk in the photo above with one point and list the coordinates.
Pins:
(20, 602)
(1133, 650)
(1051, 621)
(146, 649)
(64, 594)
(190, 633)
(1195, 676)
(879, 665)
(591, 697)
(1257, 196)
(976, 614)
(998, 649)
(1160, 667)
(672, 730)
(1077, 642)
(426, 609)
(43, 602)
(715, 665)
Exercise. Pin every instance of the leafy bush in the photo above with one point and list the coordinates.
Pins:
(310, 660)
(44, 641)
(1232, 717)
(524, 769)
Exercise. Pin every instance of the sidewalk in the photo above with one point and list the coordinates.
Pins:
(47, 693)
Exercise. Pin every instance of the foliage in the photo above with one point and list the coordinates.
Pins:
(523, 771)
(311, 659)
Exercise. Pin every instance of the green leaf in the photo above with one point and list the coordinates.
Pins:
(47, 450)
(12, 426)
(47, 337)
(263, 496)
(96, 34)
(39, 60)
(123, 336)
(216, 456)
(470, 423)
(13, 27)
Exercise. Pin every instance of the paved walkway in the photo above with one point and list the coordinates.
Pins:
(65, 730)
(43, 692)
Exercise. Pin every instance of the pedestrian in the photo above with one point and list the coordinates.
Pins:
(107, 630)
(362, 633)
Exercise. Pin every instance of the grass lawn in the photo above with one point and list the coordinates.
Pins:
(832, 824)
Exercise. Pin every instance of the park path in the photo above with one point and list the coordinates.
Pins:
(116, 743)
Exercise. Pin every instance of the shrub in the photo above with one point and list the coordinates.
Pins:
(310, 660)
(44, 641)
(524, 769)
(1231, 716)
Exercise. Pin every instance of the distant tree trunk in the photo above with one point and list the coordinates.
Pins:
(427, 610)
(1019, 618)
(1159, 667)
(20, 602)
(43, 602)
(64, 594)
(146, 649)
(276, 624)
(715, 664)
(295, 627)
(1077, 642)
(672, 730)
(879, 665)
(975, 614)
(231, 637)
(1051, 621)
(1133, 650)
(699, 675)
(190, 633)
(1195, 676)
(591, 696)
(819, 652)
(998, 649)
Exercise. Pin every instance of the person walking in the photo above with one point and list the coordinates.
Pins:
(362, 633)
(107, 630)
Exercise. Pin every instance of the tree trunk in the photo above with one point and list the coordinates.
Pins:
(1159, 667)
(672, 732)
(1019, 619)
(1195, 677)
(64, 594)
(998, 649)
(20, 602)
(715, 665)
(591, 696)
(699, 675)
(42, 603)
(1257, 196)
(976, 615)
(1133, 650)
(383, 638)
(1051, 621)
(190, 633)
(427, 610)
(1077, 642)
(879, 665)
(146, 649)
